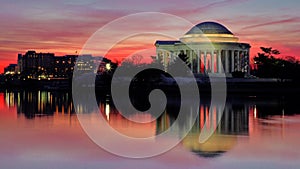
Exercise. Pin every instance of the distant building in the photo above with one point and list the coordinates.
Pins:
(85, 63)
(11, 69)
(64, 66)
(37, 64)
(207, 48)
(2, 79)
(33, 65)
(20, 65)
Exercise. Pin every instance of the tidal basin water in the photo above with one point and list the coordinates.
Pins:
(39, 129)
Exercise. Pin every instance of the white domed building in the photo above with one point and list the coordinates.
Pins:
(209, 48)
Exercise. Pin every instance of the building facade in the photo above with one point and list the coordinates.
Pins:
(209, 48)
(33, 65)
(63, 66)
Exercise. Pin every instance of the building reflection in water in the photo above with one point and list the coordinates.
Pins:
(40, 103)
(234, 122)
(238, 118)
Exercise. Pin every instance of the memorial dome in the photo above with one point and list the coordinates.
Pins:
(209, 28)
(209, 32)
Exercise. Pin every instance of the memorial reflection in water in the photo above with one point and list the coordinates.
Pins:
(238, 119)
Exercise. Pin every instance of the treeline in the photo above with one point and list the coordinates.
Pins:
(268, 64)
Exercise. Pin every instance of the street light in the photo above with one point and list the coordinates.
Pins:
(108, 66)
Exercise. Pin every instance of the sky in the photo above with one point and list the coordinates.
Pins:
(63, 26)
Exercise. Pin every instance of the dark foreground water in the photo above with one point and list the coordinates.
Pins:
(39, 129)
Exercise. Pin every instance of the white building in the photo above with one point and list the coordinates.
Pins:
(209, 48)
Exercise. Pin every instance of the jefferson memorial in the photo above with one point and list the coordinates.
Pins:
(209, 48)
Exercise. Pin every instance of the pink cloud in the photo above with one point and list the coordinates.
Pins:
(191, 8)
(283, 21)
(64, 26)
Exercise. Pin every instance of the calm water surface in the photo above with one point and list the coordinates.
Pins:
(39, 129)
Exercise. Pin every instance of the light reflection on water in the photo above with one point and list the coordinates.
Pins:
(41, 127)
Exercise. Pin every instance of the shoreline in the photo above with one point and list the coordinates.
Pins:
(233, 85)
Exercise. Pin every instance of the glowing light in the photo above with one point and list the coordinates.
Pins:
(42, 77)
(255, 112)
(209, 35)
(107, 111)
(9, 73)
(108, 66)
(209, 38)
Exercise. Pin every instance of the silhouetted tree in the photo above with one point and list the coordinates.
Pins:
(270, 66)
(266, 62)
(133, 61)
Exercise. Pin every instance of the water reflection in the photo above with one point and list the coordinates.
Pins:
(40, 103)
(234, 122)
(240, 117)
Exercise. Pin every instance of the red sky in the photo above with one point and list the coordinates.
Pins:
(63, 27)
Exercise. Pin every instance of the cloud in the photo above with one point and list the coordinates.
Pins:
(283, 21)
(193, 9)
(64, 26)
(63, 29)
